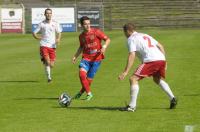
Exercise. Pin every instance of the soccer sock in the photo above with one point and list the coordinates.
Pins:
(84, 81)
(89, 81)
(134, 90)
(82, 89)
(48, 71)
(165, 87)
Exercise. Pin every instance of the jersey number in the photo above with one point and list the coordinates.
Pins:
(148, 40)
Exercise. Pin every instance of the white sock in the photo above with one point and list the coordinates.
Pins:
(134, 90)
(89, 93)
(48, 71)
(165, 87)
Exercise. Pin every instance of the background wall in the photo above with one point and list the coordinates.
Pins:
(144, 13)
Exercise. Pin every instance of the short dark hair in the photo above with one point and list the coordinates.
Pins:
(48, 9)
(83, 19)
(129, 26)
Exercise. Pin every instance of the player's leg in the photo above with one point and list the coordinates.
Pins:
(52, 57)
(83, 69)
(94, 66)
(50, 62)
(82, 90)
(46, 61)
(48, 71)
(141, 72)
(158, 78)
(83, 79)
(163, 85)
(134, 90)
(89, 81)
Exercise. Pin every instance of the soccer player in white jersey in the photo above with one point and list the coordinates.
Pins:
(152, 55)
(49, 38)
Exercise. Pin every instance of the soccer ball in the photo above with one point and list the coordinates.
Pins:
(64, 100)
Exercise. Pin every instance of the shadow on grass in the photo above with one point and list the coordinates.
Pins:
(107, 108)
(90, 108)
(25, 81)
(96, 108)
(154, 108)
(191, 95)
(39, 98)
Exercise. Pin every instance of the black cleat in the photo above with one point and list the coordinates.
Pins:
(128, 108)
(49, 80)
(77, 96)
(173, 103)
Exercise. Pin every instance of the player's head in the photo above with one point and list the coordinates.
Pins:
(129, 28)
(85, 23)
(48, 13)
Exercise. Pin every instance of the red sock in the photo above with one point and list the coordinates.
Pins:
(84, 82)
(89, 82)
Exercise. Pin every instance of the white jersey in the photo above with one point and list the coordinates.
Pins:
(145, 47)
(48, 31)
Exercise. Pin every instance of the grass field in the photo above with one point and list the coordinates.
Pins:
(29, 104)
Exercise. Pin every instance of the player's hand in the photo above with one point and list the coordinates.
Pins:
(39, 38)
(74, 60)
(166, 66)
(122, 76)
(103, 50)
(57, 41)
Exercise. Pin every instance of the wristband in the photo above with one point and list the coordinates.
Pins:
(104, 46)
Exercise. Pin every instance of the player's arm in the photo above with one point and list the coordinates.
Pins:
(101, 35)
(130, 61)
(35, 32)
(58, 31)
(36, 36)
(58, 37)
(161, 48)
(78, 52)
(107, 42)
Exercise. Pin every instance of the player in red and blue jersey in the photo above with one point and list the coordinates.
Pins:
(92, 55)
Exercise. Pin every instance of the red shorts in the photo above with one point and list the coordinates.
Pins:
(155, 68)
(46, 52)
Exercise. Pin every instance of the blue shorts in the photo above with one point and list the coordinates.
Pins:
(90, 67)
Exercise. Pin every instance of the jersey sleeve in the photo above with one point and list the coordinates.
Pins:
(101, 35)
(153, 41)
(131, 45)
(38, 28)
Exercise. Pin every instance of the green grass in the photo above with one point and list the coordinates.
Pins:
(29, 104)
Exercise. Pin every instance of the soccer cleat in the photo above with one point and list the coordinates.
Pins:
(173, 103)
(49, 80)
(88, 97)
(128, 108)
(77, 96)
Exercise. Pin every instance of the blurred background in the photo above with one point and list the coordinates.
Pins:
(109, 14)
